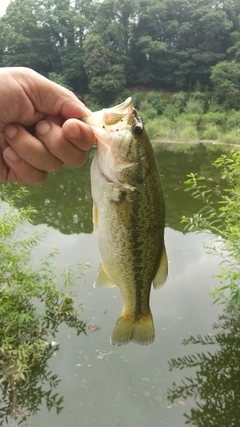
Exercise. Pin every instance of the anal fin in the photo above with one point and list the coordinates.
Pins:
(103, 279)
(161, 275)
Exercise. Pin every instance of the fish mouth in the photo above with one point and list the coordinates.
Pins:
(110, 116)
(107, 121)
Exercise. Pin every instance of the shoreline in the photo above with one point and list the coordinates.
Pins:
(198, 141)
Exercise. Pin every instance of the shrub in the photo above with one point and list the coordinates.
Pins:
(147, 112)
(158, 128)
(212, 132)
(156, 101)
(137, 98)
(232, 137)
(222, 220)
(189, 133)
(215, 118)
(233, 120)
(31, 306)
(195, 106)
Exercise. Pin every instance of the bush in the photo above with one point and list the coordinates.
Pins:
(233, 120)
(31, 306)
(147, 111)
(137, 98)
(195, 106)
(189, 133)
(158, 128)
(212, 133)
(194, 118)
(232, 137)
(214, 118)
(221, 220)
(178, 101)
(156, 101)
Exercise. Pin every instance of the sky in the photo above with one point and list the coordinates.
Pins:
(3, 6)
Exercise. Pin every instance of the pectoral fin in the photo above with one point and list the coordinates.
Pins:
(162, 272)
(103, 279)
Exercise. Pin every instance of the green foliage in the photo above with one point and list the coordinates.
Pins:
(211, 132)
(106, 78)
(162, 44)
(213, 387)
(221, 219)
(137, 98)
(158, 128)
(156, 101)
(225, 77)
(214, 118)
(59, 79)
(31, 305)
(231, 137)
(196, 104)
(189, 133)
(176, 105)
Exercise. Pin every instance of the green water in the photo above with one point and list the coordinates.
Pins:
(107, 386)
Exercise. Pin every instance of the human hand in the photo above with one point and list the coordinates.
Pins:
(39, 130)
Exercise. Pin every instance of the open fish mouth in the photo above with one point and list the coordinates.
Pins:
(107, 121)
(107, 118)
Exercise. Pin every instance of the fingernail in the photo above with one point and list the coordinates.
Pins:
(11, 131)
(10, 154)
(43, 127)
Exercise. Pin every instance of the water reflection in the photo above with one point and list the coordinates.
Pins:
(127, 386)
(64, 201)
(215, 385)
(24, 399)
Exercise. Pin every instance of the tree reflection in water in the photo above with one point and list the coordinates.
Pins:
(216, 385)
(19, 401)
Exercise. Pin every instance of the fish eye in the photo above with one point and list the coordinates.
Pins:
(138, 128)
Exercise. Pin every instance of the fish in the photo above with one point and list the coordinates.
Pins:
(128, 217)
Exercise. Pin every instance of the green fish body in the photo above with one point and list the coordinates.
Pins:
(128, 216)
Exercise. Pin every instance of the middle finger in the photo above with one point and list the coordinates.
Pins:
(59, 144)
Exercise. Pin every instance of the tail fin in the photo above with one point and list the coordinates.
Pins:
(139, 331)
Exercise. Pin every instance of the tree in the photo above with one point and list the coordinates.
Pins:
(225, 77)
(106, 78)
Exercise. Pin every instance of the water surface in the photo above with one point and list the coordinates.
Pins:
(107, 386)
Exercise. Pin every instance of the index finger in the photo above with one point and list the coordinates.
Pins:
(47, 96)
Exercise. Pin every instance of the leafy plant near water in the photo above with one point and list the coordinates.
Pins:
(31, 305)
(221, 219)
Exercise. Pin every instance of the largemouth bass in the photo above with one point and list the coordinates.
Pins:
(128, 216)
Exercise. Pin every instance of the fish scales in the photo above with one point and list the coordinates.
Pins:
(128, 217)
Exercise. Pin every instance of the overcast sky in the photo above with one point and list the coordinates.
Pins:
(3, 5)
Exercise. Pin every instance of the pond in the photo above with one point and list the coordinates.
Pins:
(171, 382)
